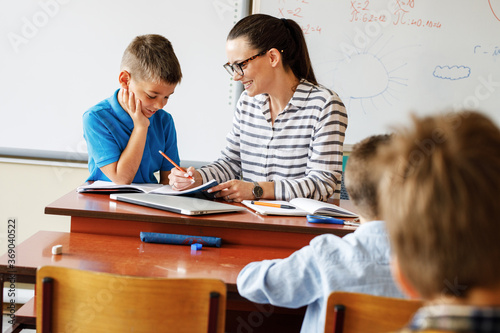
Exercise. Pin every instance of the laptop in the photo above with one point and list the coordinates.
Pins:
(177, 204)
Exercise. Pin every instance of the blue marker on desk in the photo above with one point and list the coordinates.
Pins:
(332, 220)
(323, 219)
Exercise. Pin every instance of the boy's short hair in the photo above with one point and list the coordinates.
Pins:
(441, 203)
(151, 58)
(360, 180)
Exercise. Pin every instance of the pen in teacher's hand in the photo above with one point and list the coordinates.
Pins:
(269, 204)
(175, 165)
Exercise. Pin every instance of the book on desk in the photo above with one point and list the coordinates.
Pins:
(105, 187)
(302, 207)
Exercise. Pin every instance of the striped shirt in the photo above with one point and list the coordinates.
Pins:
(301, 153)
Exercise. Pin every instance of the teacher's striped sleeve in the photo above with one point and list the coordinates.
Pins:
(301, 153)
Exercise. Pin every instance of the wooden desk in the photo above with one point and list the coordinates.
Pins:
(97, 213)
(130, 256)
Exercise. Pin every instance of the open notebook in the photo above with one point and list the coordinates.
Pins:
(100, 186)
(303, 207)
(177, 204)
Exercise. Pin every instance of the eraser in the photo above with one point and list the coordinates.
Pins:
(196, 246)
(57, 249)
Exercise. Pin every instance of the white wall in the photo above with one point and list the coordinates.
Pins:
(26, 188)
(67, 54)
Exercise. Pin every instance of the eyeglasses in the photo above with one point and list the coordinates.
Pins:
(238, 67)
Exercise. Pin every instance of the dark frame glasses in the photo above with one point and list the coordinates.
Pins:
(238, 67)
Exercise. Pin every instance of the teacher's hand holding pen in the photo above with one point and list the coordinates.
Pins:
(179, 179)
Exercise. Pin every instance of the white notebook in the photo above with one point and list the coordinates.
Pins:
(303, 207)
(100, 186)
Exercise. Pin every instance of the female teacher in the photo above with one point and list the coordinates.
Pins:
(288, 131)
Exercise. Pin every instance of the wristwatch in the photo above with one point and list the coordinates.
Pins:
(257, 190)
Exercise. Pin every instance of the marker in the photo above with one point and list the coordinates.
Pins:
(330, 220)
(269, 204)
(176, 166)
(323, 219)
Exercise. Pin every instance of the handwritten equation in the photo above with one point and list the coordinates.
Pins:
(360, 12)
(296, 10)
(493, 51)
(399, 13)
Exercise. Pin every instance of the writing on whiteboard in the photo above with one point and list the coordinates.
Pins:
(297, 10)
(360, 12)
(494, 51)
(402, 16)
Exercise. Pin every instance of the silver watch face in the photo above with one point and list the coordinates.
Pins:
(257, 191)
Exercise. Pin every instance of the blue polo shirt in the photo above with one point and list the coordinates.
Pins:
(107, 128)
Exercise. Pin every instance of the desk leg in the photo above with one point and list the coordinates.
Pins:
(17, 327)
(245, 316)
(2, 280)
(20, 278)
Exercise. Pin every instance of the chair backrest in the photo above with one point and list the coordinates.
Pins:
(424, 331)
(352, 312)
(72, 300)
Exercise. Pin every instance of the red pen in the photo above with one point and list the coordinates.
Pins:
(176, 166)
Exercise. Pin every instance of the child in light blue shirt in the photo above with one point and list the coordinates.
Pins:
(358, 262)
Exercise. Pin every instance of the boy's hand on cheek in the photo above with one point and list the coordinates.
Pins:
(134, 109)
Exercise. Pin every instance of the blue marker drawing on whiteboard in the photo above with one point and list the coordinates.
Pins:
(451, 73)
(493, 50)
(371, 77)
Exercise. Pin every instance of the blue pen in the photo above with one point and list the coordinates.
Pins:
(323, 219)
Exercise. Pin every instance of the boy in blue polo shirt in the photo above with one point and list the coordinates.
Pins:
(125, 132)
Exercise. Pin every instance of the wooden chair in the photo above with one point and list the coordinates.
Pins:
(71, 300)
(352, 312)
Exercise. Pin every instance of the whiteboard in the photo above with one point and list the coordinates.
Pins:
(387, 58)
(60, 57)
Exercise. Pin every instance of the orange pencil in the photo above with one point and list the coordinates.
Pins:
(269, 204)
(176, 166)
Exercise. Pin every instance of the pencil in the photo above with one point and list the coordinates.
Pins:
(175, 165)
(269, 204)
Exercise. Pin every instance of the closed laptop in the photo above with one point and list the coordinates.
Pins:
(177, 204)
